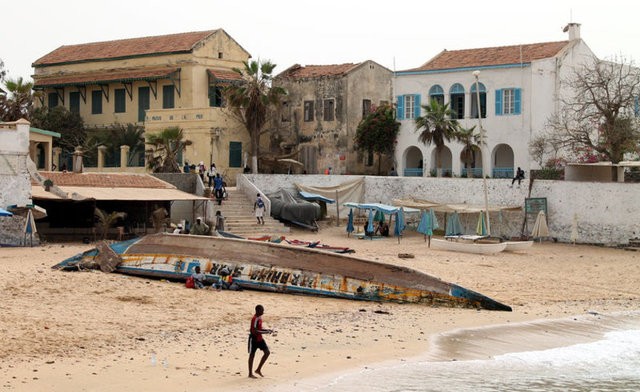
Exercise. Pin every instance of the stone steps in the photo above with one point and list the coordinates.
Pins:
(240, 218)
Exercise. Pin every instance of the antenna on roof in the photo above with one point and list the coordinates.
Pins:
(570, 15)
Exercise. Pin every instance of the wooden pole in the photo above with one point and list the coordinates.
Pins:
(337, 210)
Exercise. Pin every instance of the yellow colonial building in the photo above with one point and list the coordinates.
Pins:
(158, 82)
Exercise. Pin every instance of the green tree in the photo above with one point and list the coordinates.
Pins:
(436, 127)
(118, 135)
(600, 114)
(106, 220)
(377, 132)
(164, 148)
(18, 103)
(472, 142)
(69, 125)
(3, 72)
(252, 101)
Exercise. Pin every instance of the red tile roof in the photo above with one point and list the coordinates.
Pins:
(501, 55)
(104, 77)
(172, 43)
(225, 75)
(316, 71)
(105, 180)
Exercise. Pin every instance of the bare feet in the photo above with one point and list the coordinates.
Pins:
(259, 372)
(252, 376)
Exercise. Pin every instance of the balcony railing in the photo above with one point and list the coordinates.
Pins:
(502, 172)
(413, 172)
(474, 172)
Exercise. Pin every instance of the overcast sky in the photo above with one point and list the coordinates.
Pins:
(398, 34)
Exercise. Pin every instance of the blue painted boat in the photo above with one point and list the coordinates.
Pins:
(283, 268)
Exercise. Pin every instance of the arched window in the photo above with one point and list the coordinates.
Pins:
(456, 94)
(474, 100)
(436, 92)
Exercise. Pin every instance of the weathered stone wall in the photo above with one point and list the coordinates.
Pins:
(11, 232)
(607, 213)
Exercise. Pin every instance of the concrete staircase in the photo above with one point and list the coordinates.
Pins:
(240, 218)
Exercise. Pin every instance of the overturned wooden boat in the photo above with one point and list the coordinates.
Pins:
(468, 246)
(284, 268)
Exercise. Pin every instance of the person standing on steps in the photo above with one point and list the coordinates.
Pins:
(256, 341)
(258, 207)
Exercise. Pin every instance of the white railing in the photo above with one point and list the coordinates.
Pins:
(250, 190)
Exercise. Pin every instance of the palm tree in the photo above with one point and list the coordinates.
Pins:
(437, 126)
(471, 142)
(106, 221)
(19, 101)
(162, 156)
(249, 101)
(131, 135)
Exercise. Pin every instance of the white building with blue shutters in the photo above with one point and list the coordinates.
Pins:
(518, 90)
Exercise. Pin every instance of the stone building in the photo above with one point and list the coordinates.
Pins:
(161, 81)
(324, 105)
(15, 183)
(517, 91)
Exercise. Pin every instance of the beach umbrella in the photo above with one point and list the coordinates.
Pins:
(379, 217)
(540, 228)
(454, 227)
(29, 227)
(4, 212)
(426, 225)
(370, 224)
(434, 219)
(350, 222)
(399, 227)
(481, 227)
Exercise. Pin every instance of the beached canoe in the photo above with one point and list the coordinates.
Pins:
(468, 246)
(517, 246)
(284, 268)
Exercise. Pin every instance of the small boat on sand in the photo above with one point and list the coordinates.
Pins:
(517, 246)
(282, 268)
(468, 246)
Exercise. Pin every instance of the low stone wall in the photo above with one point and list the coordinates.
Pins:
(11, 232)
(607, 213)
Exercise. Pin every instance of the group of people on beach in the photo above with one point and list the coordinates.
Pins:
(200, 227)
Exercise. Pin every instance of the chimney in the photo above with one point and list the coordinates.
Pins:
(574, 31)
(77, 160)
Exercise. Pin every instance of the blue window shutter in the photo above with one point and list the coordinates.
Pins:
(498, 102)
(400, 109)
(416, 106)
(517, 102)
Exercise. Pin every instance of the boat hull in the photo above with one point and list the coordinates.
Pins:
(468, 247)
(517, 246)
(284, 268)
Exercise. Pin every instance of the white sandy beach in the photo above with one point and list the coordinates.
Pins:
(90, 331)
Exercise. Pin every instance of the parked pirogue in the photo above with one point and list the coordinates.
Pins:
(281, 268)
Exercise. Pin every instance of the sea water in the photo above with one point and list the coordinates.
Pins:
(611, 363)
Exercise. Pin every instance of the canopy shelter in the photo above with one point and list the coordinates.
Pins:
(374, 208)
(451, 211)
(348, 190)
(321, 200)
(460, 208)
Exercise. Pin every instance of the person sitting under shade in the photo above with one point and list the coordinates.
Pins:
(382, 229)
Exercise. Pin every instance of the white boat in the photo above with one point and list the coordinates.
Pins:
(517, 246)
(468, 246)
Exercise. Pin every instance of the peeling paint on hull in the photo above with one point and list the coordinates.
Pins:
(286, 269)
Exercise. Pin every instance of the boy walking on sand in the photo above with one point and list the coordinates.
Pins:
(257, 342)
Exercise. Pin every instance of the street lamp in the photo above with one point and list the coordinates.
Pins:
(483, 135)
